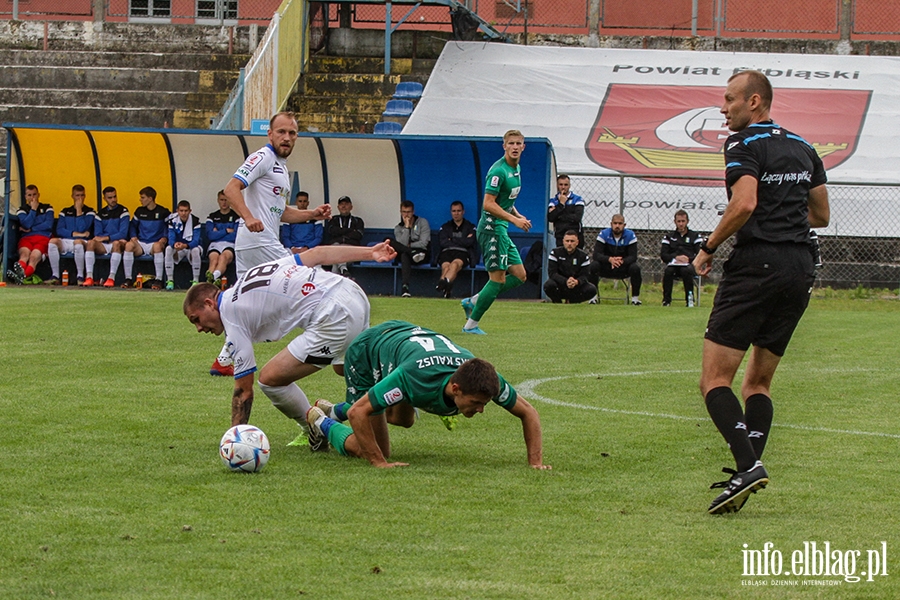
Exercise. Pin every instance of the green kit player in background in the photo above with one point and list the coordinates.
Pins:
(504, 180)
(393, 369)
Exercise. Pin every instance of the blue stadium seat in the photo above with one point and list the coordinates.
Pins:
(398, 108)
(387, 128)
(408, 90)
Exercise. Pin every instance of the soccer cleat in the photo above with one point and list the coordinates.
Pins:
(13, 274)
(300, 440)
(210, 278)
(418, 257)
(219, 370)
(156, 285)
(666, 303)
(127, 285)
(194, 282)
(110, 282)
(18, 271)
(79, 281)
(738, 489)
(594, 300)
(474, 330)
(326, 407)
(54, 280)
(404, 292)
(89, 282)
(468, 306)
(635, 302)
(449, 421)
(317, 440)
(170, 285)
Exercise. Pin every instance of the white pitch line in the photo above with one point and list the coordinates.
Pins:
(527, 389)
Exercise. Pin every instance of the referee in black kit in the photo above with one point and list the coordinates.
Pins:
(776, 192)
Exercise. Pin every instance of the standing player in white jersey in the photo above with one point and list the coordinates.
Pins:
(266, 186)
(258, 193)
(268, 302)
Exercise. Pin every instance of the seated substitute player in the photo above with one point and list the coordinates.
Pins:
(345, 229)
(184, 242)
(73, 230)
(412, 240)
(149, 235)
(221, 230)
(568, 269)
(615, 256)
(677, 250)
(395, 368)
(35, 229)
(273, 299)
(110, 235)
(300, 237)
(458, 247)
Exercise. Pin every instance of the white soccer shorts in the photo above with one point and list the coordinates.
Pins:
(220, 247)
(341, 316)
(247, 258)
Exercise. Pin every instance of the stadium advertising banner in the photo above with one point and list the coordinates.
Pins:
(655, 114)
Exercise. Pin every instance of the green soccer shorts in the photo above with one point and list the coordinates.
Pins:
(497, 250)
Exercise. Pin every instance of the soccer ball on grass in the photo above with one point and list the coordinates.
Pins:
(244, 448)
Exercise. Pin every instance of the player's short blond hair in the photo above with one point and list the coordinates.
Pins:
(512, 133)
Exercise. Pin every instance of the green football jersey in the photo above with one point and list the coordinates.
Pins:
(401, 362)
(504, 182)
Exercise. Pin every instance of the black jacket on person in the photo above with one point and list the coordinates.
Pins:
(451, 237)
(345, 230)
(674, 244)
(561, 265)
(566, 216)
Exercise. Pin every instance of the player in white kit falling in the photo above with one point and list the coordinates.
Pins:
(258, 193)
(268, 302)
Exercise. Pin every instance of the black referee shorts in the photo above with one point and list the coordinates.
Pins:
(760, 300)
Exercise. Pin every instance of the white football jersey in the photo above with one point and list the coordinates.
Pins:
(271, 300)
(268, 188)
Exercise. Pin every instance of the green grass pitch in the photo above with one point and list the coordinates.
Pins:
(111, 486)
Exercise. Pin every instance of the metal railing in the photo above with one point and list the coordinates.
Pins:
(860, 246)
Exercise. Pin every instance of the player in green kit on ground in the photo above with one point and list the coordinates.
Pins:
(393, 369)
(504, 180)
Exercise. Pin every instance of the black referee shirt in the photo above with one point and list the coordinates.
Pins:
(786, 167)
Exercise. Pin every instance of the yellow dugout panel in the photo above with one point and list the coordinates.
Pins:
(54, 160)
(129, 161)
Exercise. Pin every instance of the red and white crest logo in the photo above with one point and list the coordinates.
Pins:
(393, 396)
(678, 130)
(308, 288)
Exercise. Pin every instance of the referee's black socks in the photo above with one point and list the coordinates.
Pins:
(726, 412)
(758, 411)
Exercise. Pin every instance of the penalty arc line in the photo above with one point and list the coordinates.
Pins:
(527, 389)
